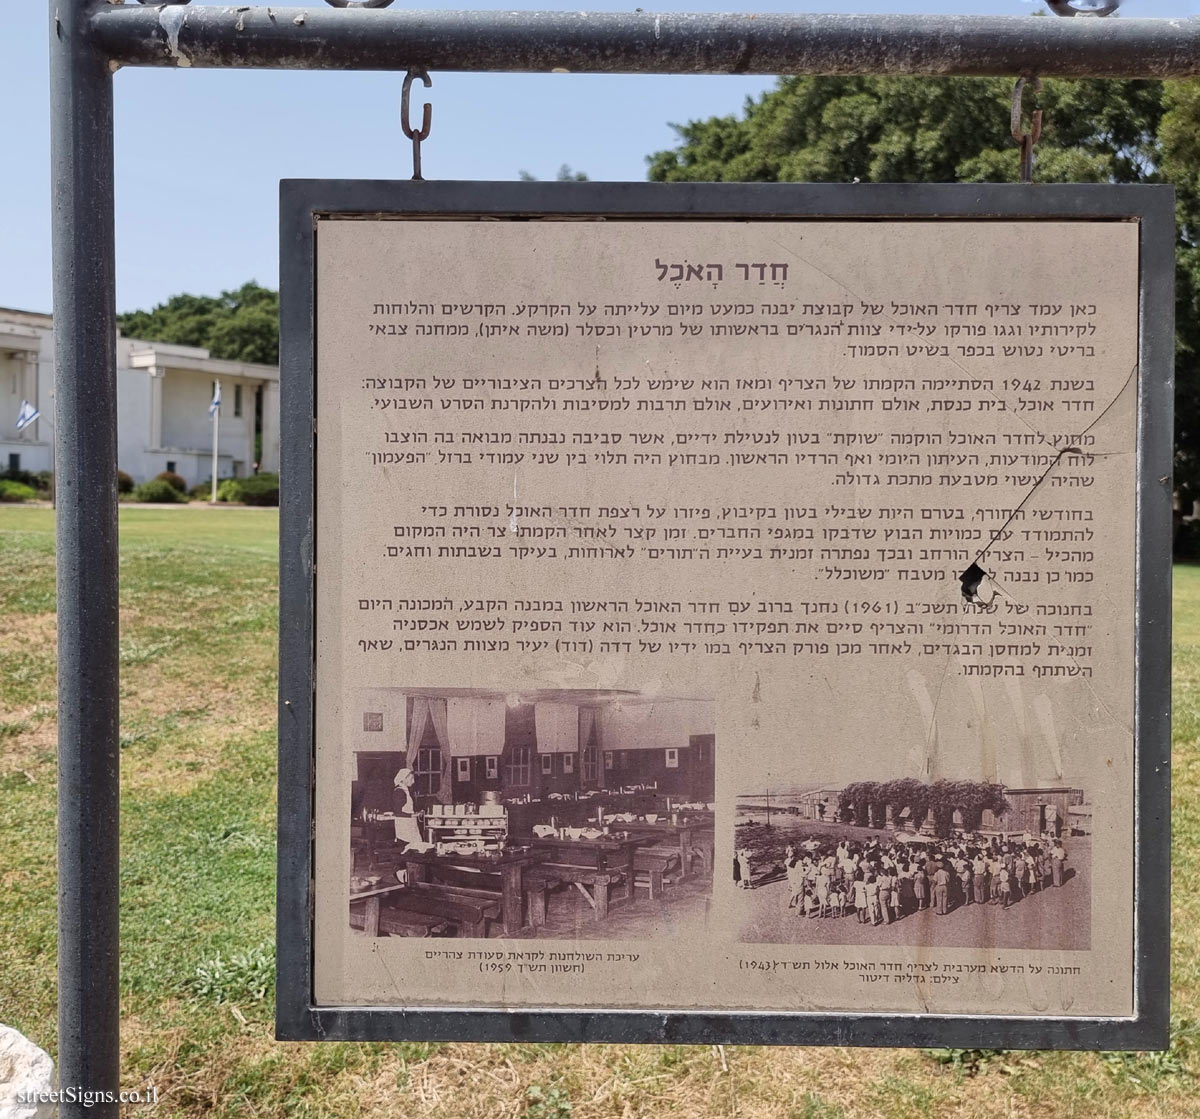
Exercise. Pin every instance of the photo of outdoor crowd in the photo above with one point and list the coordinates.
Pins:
(914, 862)
(568, 814)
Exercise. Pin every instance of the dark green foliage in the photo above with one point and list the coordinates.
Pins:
(203, 490)
(39, 482)
(258, 489)
(240, 325)
(910, 129)
(971, 1062)
(176, 480)
(1187, 541)
(124, 482)
(1179, 135)
(158, 490)
(550, 1102)
(16, 491)
(563, 175)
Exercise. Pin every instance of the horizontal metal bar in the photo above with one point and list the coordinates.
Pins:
(645, 43)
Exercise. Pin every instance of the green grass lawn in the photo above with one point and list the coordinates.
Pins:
(199, 622)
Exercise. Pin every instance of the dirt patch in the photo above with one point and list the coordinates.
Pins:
(22, 630)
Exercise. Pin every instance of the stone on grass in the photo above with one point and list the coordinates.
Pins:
(24, 1069)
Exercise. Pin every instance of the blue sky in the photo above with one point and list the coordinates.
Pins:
(200, 152)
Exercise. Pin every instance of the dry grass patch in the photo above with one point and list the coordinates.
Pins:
(22, 630)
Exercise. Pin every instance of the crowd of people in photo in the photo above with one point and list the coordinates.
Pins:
(882, 882)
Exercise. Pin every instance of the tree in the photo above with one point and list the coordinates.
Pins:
(914, 795)
(240, 325)
(977, 798)
(1179, 134)
(853, 799)
(909, 129)
(564, 175)
(859, 798)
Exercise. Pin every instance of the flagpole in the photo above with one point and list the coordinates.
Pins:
(216, 433)
(29, 414)
(53, 442)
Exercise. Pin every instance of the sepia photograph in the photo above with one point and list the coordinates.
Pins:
(559, 814)
(911, 862)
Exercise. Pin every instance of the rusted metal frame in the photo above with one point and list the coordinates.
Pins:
(90, 38)
(85, 454)
(644, 42)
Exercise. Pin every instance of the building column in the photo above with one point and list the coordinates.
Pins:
(157, 373)
(270, 427)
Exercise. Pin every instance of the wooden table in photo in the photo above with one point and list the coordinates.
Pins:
(510, 865)
(683, 834)
(609, 854)
(371, 896)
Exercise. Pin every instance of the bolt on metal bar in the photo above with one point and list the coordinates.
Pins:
(645, 43)
(85, 401)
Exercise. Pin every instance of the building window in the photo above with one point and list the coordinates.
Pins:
(517, 770)
(428, 771)
(547, 764)
(463, 769)
(14, 461)
(608, 759)
(372, 720)
(672, 759)
(171, 466)
(491, 768)
(237, 400)
(568, 763)
(587, 765)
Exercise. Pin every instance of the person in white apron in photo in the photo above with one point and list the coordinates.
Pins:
(404, 810)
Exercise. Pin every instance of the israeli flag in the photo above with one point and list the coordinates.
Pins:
(26, 415)
(215, 406)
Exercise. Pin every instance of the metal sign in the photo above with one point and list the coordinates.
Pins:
(780, 573)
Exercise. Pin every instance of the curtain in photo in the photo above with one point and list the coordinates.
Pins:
(475, 727)
(416, 729)
(557, 727)
(437, 713)
(587, 720)
(657, 725)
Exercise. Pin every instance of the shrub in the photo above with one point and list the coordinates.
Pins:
(203, 490)
(16, 491)
(41, 483)
(258, 489)
(124, 482)
(25, 477)
(1187, 541)
(176, 480)
(158, 490)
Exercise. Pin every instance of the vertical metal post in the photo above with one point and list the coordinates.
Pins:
(85, 471)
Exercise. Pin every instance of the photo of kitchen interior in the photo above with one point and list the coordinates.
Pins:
(553, 813)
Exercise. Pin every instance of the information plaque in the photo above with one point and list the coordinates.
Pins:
(726, 613)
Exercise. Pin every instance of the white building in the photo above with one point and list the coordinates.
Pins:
(163, 393)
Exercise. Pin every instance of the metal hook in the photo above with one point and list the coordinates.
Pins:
(1026, 140)
(426, 118)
